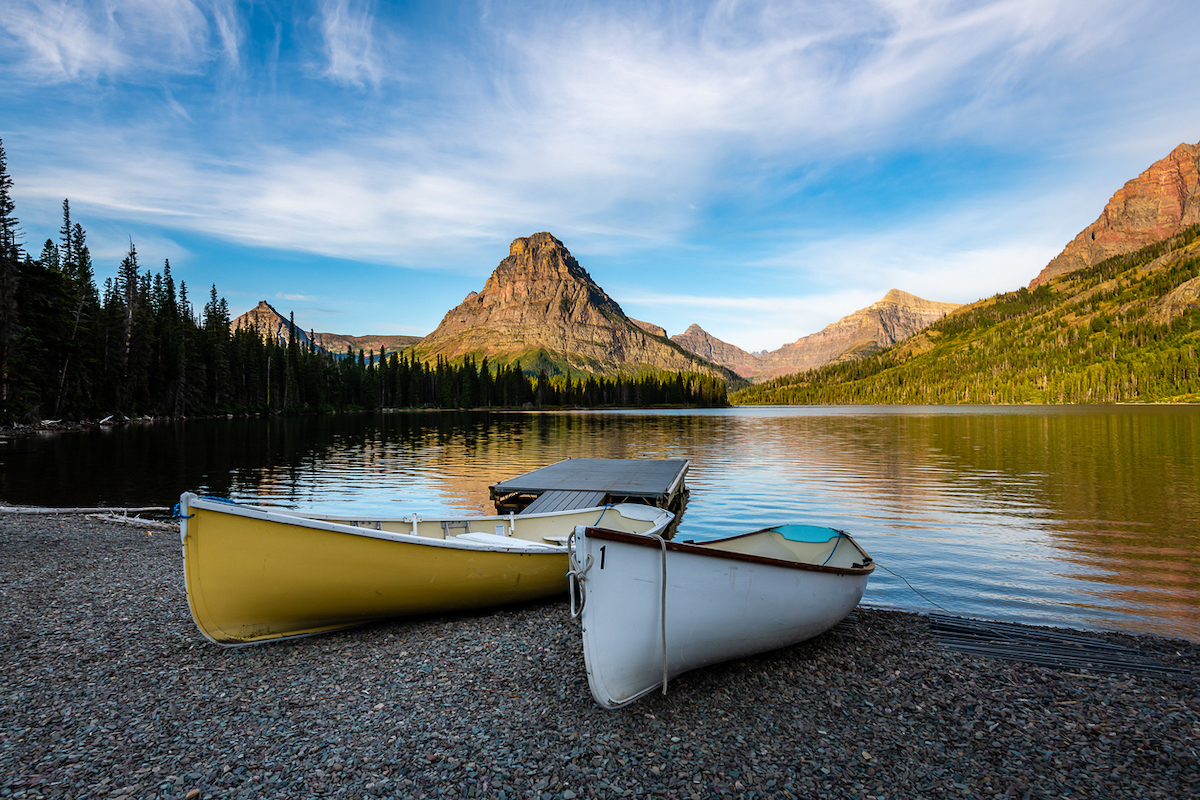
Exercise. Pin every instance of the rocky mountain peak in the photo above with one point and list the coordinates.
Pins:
(540, 254)
(1150, 208)
(897, 297)
(540, 304)
(268, 322)
(891, 319)
(538, 241)
(539, 283)
(699, 341)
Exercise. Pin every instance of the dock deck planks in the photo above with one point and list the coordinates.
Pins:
(658, 482)
(548, 502)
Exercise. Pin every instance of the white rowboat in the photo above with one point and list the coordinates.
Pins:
(653, 609)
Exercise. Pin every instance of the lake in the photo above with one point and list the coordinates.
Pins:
(1078, 516)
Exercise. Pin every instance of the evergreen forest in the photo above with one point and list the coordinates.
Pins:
(70, 350)
(1124, 330)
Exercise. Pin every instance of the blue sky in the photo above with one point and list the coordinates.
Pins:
(759, 168)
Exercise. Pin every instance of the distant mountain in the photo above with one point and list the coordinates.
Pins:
(880, 325)
(540, 307)
(699, 341)
(337, 342)
(269, 323)
(894, 318)
(1152, 207)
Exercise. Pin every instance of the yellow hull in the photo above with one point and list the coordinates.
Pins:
(253, 579)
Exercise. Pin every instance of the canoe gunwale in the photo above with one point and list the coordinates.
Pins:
(260, 513)
(711, 552)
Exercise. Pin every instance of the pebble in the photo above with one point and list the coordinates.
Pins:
(110, 691)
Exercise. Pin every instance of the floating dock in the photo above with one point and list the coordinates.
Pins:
(589, 482)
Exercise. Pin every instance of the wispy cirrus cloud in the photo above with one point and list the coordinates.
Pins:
(65, 40)
(348, 32)
(61, 40)
(769, 76)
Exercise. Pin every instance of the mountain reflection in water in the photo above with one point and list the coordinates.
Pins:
(1083, 516)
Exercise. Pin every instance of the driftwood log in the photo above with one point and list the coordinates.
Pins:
(136, 522)
(106, 510)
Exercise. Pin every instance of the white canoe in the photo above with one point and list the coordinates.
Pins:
(256, 574)
(721, 600)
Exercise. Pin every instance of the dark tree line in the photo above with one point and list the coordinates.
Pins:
(71, 351)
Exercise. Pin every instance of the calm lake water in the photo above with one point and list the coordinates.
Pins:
(1079, 516)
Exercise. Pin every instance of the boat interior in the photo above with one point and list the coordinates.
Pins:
(801, 544)
(539, 530)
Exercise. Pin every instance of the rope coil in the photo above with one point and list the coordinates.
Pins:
(576, 575)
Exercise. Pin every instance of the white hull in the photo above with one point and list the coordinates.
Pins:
(720, 604)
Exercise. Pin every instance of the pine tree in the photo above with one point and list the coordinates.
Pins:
(49, 258)
(192, 370)
(41, 297)
(216, 351)
(127, 286)
(10, 267)
(66, 246)
(170, 344)
(75, 372)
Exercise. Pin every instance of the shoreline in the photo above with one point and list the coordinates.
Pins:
(113, 692)
(60, 426)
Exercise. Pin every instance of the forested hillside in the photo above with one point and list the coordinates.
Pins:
(1124, 330)
(72, 351)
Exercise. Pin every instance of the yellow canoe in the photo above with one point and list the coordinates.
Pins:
(255, 574)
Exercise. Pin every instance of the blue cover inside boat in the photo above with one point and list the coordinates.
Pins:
(806, 533)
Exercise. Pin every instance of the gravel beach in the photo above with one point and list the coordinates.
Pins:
(109, 690)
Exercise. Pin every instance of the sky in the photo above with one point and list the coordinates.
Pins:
(758, 168)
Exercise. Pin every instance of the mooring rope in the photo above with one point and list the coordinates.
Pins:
(663, 610)
(901, 577)
(576, 575)
(840, 534)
